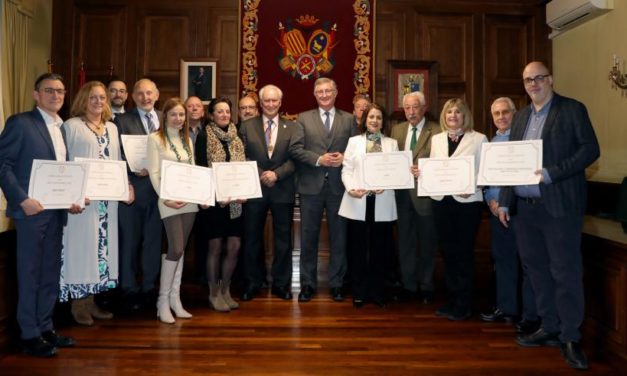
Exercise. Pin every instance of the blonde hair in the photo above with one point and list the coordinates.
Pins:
(463, 108)
(79, 106)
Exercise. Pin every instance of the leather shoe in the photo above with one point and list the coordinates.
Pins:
(38, 347)
(404, 295)
(497, 316)
(250, 294)
(444, 311)
(526, 327)
(574, 356)
(56, 340)
(538, 338)
(336, 294)
(306, 293)
(282, 292)
(426, 297)
(459, 314)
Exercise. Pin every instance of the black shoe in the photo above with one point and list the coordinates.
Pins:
(131, 302)
(574, 356)
(538, 338)
(379, 303)
(426, 297)
(358, 303)
(306, 293)
(459, 314)
(336, 294)
(404, 295)
(282, 292)
(497, 316)
(526, 327)
(249, 294)
(56, 340)
(38, 347)
(445, 310)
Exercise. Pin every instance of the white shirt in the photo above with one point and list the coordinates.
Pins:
(331, 116)
(54, 128)
(273, 132)
(155, 119)
(421, 124)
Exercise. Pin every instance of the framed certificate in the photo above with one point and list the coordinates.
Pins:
(236, 180)
(510, 163)
(136, 151)
(58, 185)
(387, 170)
(107, 179)
(446, 176)
(186, 183)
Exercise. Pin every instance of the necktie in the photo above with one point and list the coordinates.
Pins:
(412, 143)
(269, 132)
(327, 122)
(150, 123)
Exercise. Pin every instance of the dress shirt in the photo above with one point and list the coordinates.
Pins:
(331, 116)
(273, 132)
(419, 126)
(54, 128)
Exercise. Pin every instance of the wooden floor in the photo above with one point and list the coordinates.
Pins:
(268, 336)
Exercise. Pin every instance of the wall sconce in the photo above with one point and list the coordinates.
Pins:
(619, 79)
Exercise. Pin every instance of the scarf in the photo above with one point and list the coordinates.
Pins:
(373, 144)
(455, 134)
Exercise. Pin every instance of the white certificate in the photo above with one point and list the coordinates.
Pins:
(107, 179)
(186, 183)
(236, 180)
(58, 185)
(136, 151)
(446, 176)
(510, 163)
(387, 170)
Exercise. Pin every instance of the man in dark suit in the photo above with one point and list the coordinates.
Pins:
(139, 223)
(267, 139)
(318, 147)
(416, 226)
(549, 215)
(36, 135)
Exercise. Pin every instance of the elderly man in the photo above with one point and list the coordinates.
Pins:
(318, 147)
(416, 226)
(247, 108)
(503, 241)
(28, 136)
(140, 224)
(549, 215)
(117, 96)
(267, 139)
(195, 116)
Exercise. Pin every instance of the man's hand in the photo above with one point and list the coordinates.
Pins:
(504, 218)
(334, 159)
(414, 171)
(268, 178)
(31, 206)
(494, 207)
(76, 209)
(539, 172)
(142, 173)
(131, 195)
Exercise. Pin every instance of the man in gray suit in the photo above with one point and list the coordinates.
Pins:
(267, 140)
(416, 226)
(318, 148)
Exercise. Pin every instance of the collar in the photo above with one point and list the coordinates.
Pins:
(275, 120)
(419, 126)
(49, 120)
(506, 133)
(331, 112)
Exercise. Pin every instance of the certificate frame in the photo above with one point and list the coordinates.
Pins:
(448, 168)
(377, 169)
(193, 83)
(236, 180)
(405, 76)
(504, 158)
(180, 182)
(41, 178)
(95, 190)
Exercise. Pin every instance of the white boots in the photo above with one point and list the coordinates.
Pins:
(170, 291)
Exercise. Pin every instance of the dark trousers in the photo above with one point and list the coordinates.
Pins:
(457, 225)
(39, 244)
(140, 237)
(368, 241)
(550, 248)
(507, 266)
(311, 209)
(256, 212)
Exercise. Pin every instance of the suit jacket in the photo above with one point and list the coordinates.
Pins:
(311, 141)
(130, 123)
(469, 145)
(252, 134)
(355, 208)
(569, 145)
(422, 205)
(24, 138)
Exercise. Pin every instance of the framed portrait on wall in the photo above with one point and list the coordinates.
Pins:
(198, 77)
(406, 76)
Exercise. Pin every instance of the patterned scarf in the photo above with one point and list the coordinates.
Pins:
(374, 142)
(216, 152)
(455, 134)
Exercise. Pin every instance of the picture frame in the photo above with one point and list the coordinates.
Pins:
(199, 77)
(405, 76)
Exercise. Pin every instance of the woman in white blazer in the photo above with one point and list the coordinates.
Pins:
(172, 142)
(370, 214)
(457, 217)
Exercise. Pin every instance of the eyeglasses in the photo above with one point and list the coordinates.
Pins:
(535, 80)
(96, 98)
(324, 91)
(50, 90)
(243, 108)
(504, 113)
(114, 91)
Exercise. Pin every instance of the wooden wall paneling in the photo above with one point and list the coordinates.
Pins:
(223, 36)
(389, 45)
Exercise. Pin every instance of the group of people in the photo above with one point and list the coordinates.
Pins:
(318, 156)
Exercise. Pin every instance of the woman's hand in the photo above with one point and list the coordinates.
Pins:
(357, 193)
(174, 204)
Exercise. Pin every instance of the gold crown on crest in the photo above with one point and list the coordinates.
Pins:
(307, 20)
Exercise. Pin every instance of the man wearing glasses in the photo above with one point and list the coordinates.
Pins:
(33, 135)
(549, 215)
(117, 96)
(318, 148)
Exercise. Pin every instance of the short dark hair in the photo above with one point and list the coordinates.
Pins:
(48, 76)
(373, 106)
(214, 102)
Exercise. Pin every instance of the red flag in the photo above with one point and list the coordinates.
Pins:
(81, 75)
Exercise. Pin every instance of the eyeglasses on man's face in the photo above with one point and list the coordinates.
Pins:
(535, 80)
(324, 91)
(51, 90)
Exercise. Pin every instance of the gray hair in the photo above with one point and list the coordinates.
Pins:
(418, 94)
(507, 100)
(268, 87)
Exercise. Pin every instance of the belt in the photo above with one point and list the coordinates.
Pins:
(531, 200)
